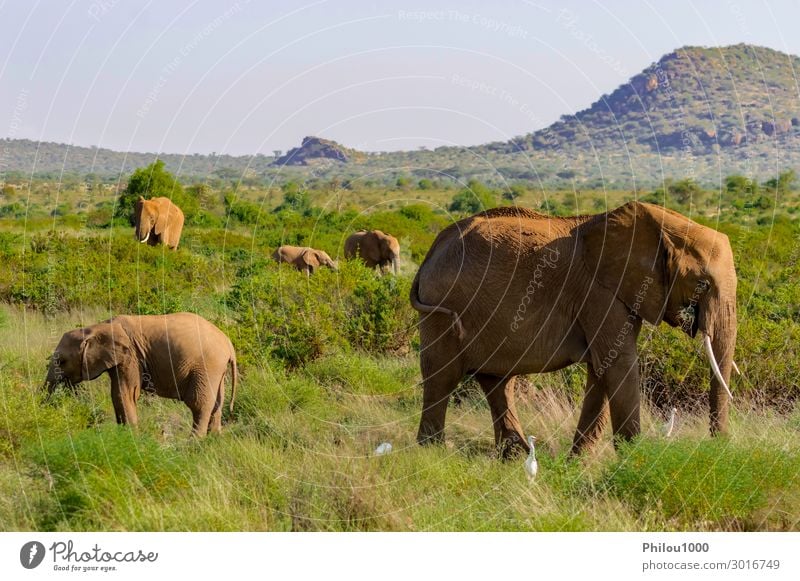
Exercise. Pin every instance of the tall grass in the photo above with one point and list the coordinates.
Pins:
(329, 371)
(297, 453)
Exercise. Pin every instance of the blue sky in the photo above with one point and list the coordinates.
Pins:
(252, 77)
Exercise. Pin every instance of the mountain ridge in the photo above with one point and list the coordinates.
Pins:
(696, 112)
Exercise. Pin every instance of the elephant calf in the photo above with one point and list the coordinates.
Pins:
(179, 356)
(303, 258)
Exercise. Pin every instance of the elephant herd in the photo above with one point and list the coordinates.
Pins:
(373, 247)
(502, 293)
(159, 221)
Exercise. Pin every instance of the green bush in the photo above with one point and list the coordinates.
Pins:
(284, 314)
(379, 317)
(475, 198)
(244, 211)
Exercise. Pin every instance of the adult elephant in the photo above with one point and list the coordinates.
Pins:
(510, 291)
(158, 221)
(375, 248)
(303, 258)
(179, 356)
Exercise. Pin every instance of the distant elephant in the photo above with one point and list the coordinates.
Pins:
(510, 291)
(303, 258)
(158, 221)
(178, 356)
(375, 248)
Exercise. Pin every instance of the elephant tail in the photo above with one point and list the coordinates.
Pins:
(423, 308)
(234, 377)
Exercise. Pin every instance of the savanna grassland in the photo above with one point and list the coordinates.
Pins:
(329, 370)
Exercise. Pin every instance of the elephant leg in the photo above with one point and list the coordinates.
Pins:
(215, 423)
(594, 414)
(201, 418)
(123, 396)
(622, 386)
(441, 372)
(508, 434)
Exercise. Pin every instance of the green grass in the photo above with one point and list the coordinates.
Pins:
(297, 454)
(743, 485)
(329, 371)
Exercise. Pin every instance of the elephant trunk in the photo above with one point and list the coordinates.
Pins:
(395, 263)
(719, 337)
(52, 379)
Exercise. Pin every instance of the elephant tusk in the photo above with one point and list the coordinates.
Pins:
(146, 238)
(736, 368)
(714, 365)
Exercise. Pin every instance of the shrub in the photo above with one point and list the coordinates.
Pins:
(476, 197)
(379, 317)
(244, 211)
(282, 313)
(417, 212)
(740, 185)
(513, 192)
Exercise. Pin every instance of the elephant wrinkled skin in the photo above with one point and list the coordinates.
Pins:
(303, 258)
(376, 249)
(179, 356)
(158, 221)
(510, 291)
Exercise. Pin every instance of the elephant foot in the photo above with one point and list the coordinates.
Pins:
(429, 435)
(581, 443)
(512, 445)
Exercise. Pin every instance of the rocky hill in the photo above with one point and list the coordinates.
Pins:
(698, 98)
(314, 149)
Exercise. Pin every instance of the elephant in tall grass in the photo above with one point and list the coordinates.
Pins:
(303, 258)
(179, 356)
(158, 221)
(510, 291)
(375, 248)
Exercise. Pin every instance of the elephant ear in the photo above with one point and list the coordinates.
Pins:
(626, 252)
(106, 346)
(162, 218)
(310, 258)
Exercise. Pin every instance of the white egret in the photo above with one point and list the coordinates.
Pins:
(531, 465)
(383, 448)
(670, 425)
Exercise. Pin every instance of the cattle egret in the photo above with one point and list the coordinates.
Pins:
(670, 425)
(383, 448)
(531, 466)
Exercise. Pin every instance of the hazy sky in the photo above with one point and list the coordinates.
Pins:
(250, 77)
